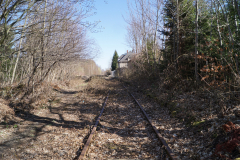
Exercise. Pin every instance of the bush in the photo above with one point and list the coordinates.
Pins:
(108, 72)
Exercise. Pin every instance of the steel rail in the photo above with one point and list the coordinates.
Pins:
(169, 151)
(86, 146)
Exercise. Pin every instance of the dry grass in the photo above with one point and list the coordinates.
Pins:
(203, 109)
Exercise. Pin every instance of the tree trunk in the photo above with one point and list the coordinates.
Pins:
(19, 51)
(235, 19)
(42, 39)
(155, 35)
(177, 53)
(174, 45)
(219, 33)
(196, 43)
(236, 5)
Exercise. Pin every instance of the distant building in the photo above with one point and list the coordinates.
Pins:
(125, 59)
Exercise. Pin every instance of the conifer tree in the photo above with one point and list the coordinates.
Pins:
(6, 52)
(114, 61)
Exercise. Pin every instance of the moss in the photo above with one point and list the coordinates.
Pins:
(111, 146)
(215, 136)
(198, 123)
(54, 101)
(150, 95)
(44, 106)
(173, 106)
(190, 119)
(174, 113)
(6, 92)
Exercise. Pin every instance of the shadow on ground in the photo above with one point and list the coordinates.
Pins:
(27, 131)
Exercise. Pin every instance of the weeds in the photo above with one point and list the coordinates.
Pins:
(197, 123)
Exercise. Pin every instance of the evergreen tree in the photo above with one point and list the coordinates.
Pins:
(186, 29)
(114, 61)
(6, 51)
(7, 45)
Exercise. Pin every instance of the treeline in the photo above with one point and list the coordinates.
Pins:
(89, 68)
(65, 71)
(44, 40)
(196, 40)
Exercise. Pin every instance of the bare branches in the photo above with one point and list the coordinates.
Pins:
(47, 34)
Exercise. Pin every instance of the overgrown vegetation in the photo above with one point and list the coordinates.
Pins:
(192, 45)
(187, 56)
(43, 42)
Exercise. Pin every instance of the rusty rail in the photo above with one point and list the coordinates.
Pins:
(168, 150)
(86, 146)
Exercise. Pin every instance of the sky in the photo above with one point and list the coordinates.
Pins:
(113, 33)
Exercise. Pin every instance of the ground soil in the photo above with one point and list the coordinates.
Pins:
(58, 127)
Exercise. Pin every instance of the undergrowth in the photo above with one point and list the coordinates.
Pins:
(195, 104)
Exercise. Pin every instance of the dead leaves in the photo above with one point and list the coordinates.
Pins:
(224, 149)
(228, 127)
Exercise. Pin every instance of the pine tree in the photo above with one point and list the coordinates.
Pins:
(6, 51)
(114, 61)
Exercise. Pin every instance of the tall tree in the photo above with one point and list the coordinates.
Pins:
(114, 61)
(178, 27)
(6, 51)
(196, 42)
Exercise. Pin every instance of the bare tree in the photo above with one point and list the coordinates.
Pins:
(53, 33)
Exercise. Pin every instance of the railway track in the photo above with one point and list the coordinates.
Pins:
(130, 122)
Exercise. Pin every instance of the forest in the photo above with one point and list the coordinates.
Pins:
(197, 40)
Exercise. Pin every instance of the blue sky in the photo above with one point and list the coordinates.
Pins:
(112, 36)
